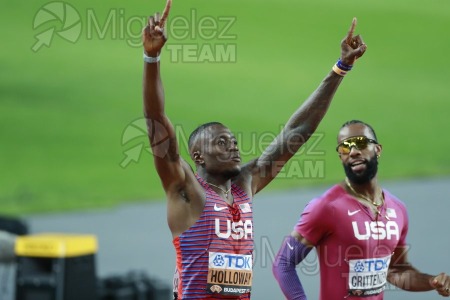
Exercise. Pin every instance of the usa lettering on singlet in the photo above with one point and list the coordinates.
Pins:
(215, 255)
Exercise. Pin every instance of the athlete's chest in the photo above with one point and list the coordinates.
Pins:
(359, 227)
(229, 222)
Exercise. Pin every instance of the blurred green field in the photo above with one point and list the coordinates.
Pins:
(69, 113)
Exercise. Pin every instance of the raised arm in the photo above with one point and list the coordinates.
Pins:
(306, 119)
(403, 275)
(160, 130)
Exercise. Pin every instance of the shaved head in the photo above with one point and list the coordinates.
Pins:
(199, 131)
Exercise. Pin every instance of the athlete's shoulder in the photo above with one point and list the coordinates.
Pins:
(317, 218)
(201, 181)
(329, 197)
(334, 192)
(389, 197)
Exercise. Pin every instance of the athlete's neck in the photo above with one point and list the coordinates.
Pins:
(369, 189)
(219, 180)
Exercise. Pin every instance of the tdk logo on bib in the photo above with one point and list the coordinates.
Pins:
(372, 265)
(230, 261)
(359, 267)
(218, 261)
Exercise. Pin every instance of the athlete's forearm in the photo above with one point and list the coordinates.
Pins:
(308, 116)
(291, 253)
(158, 124)
(409, 279)
(153, 92)
(303, 122)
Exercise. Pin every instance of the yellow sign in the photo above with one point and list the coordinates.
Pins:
(56, 245)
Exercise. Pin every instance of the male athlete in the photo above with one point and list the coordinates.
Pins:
(209, 211)
(359, 231)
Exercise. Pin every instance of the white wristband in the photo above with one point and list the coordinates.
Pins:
(150, 59)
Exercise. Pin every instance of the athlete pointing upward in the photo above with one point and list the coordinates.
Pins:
(358, 229)
(210, 209)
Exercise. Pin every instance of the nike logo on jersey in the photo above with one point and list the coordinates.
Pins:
(219, 208)
(351, 213)
(289, 245)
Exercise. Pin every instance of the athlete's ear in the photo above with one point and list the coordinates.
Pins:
(378, 149)
(197, 158)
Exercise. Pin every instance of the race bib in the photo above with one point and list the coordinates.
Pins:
(367, 277)
(229, 273)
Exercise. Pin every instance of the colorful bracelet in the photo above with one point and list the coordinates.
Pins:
(343, 66)
(339, 71)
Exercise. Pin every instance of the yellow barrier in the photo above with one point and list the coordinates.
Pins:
(55, 245)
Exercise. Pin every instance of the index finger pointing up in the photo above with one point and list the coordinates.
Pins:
(165, 13)
(350, 32)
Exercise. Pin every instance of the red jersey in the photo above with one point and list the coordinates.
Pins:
(354, 245)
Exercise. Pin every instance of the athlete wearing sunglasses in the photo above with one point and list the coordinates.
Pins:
(359, 142)
(358, 229)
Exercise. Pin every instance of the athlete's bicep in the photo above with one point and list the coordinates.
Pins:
(400, 268)
(399, 259)
(172, 173)
(301, 239)
(261, 172)
(315, 221)
(168, 162)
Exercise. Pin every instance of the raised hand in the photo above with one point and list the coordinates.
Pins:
(352, 47)
(154, 35)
